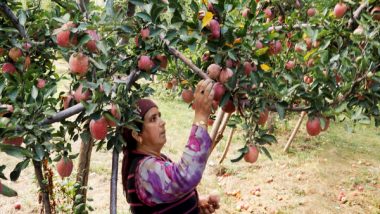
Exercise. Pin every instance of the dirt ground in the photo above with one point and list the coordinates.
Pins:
(336, 172)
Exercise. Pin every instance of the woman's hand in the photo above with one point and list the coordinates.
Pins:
(203, 97)
(208, 205)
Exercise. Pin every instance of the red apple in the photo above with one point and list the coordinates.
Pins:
(65, 167)
(26, 45)
(91, 45)
(145, 63)
(27, 62)
(245, 12)
(187, 95)
(17, 206)
(275, 47)
(248, 68)
(229, 107)
(290, 65)
(219, 91)
(311, 12)
(163, 61)
(268, 13)
(313, 126)
(213, 71)
(340, 9)
(41, 83)
(310, 63)
(307, 79)
(66, 101)
(215, 29)
(206, 56)
(145, 33)
(78, 63)
(8, 68)
(308, 42)
(252, 155)
(15, 54)
(16, 141)
(210, 122)
(225, 75)
(376, 13)
(64, 37)
(169, 85)
(263, 117)
(259, 45)
(79, 95)
(98, 128)
(115, 112)
(298, 48)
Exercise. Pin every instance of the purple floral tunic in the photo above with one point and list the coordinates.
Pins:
(159, 180)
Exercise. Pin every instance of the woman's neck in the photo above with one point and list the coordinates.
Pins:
(148, 151)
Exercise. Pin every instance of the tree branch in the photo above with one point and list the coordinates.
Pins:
(357, 13)
(8, 12)
(183, 58)
(132, 77)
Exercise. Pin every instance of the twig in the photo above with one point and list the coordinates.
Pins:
(188, 62)
(8, 12)
(357, 12)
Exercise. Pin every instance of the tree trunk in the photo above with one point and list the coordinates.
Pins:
(40, 178)
(83, 169)
(115, 166)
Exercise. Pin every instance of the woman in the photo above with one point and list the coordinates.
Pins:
(151, 181)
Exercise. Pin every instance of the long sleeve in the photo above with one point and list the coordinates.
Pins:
(162, 181)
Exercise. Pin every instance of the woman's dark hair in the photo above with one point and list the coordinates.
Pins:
(131, 145)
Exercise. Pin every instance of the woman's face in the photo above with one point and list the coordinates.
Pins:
(153, 133)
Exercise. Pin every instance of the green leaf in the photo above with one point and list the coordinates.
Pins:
(280, 110)
(137, 2)
(15, 174)
(34, 92)
(6, 191)
(126, 29)
(342, 107)
(144, 16)
(266, 152)
(39, 152)
(238, 158)
(109, 8)
(232, 55)
(22, 18)
(85, 136)
(99, 64)
(4, 121)
(84, 39)
(16, 151)
(269, 138)
(261, 51)
(102, 47)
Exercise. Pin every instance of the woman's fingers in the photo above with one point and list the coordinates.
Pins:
(198, 88)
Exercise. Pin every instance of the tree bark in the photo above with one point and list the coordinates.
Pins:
(43, 188)
(113, 197)
(83, 169)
